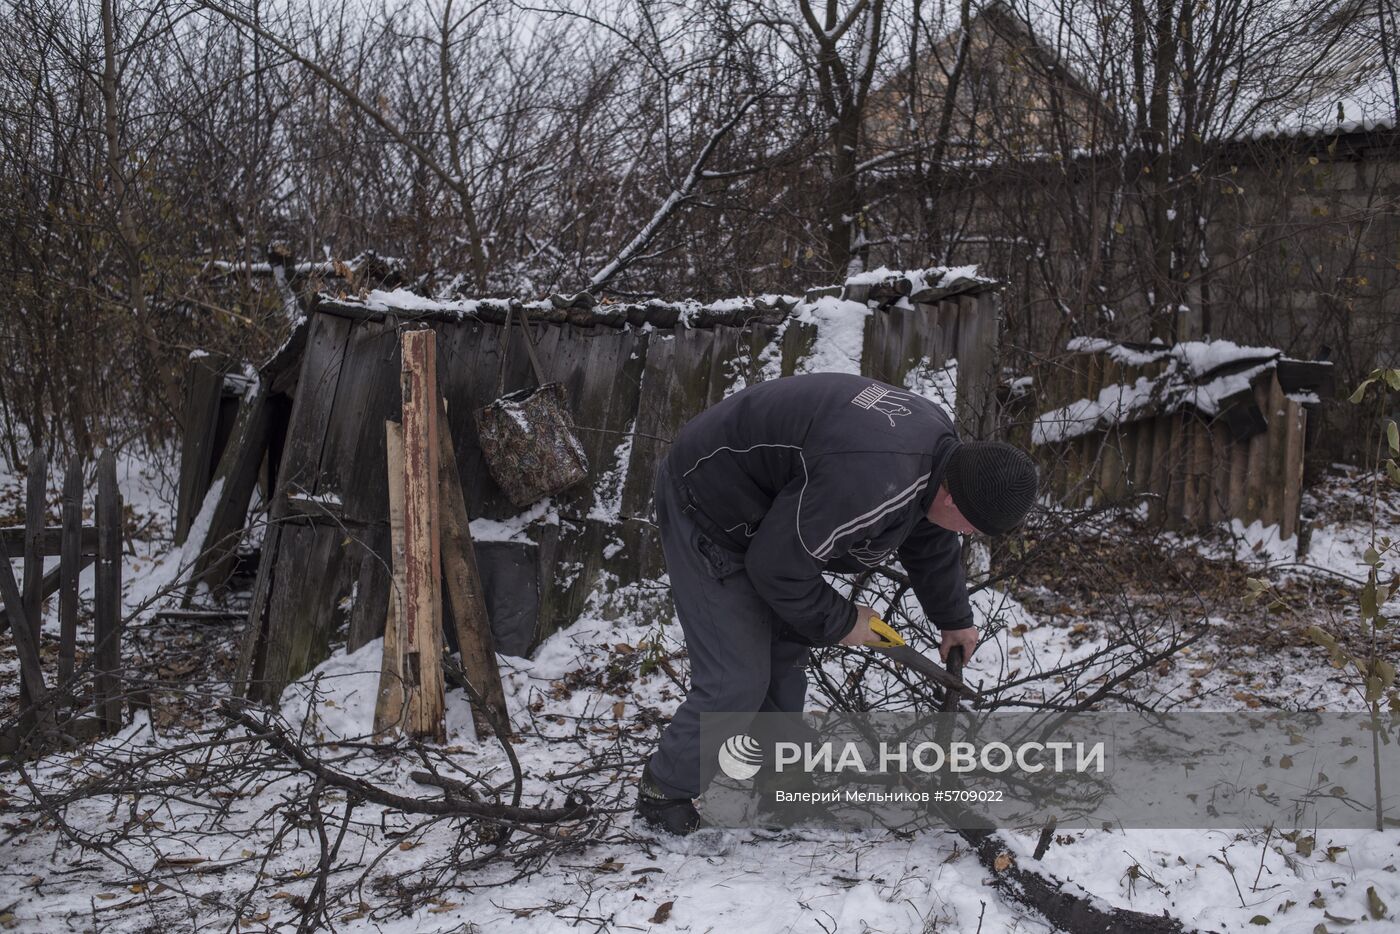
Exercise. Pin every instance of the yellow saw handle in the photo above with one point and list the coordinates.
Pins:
(888, 637)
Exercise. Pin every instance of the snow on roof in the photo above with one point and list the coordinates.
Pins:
(1308, 69)
(1336, 79)
(580, 309)
(916, 285)
(884, 286)
(1200, 375)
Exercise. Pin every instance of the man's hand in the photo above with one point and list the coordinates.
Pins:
(947, 638)
(861, 632)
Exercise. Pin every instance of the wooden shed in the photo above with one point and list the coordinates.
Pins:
(1202, 431)
(633, 374)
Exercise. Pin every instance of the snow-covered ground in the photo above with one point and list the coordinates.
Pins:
(588, 708)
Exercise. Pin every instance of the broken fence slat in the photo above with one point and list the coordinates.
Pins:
(30, 669)
(200, 424)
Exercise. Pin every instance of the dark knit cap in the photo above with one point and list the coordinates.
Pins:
(993, 484)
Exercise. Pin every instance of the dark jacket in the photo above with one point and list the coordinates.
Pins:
(824, 472)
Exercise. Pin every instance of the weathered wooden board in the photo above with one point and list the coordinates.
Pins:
(367, 394)
(421, 478)
(1220, 453)
(252, 652)
(601, 414)
(391, 703)
(35, 693)
(314, 407)
(234, 480)
(1239, 463)
(797, 341)
(50, 538)
(1274, 456)
(370, 561)
(872, 349)
(1161, 467)
(280, 645)
(652, 431)
(199, 425)
(107, 605)
(467, 357)
(35, 521)
(892, 353)
(302, 616)
(70, 566)
(977, 353)
(466, 599)
(1142, 454)
(1178, 451)
(1295, 426)
(726, 363)
(573, 556)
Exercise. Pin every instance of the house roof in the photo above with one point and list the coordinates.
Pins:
(1328, 74)
(1341, 81)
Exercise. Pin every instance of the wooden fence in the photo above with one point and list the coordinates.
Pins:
(1197, 448)
(633, 374)
(76, 546)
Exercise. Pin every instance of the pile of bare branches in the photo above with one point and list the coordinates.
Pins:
(202, 822)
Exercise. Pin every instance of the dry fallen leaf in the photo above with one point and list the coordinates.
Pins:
(663, 912)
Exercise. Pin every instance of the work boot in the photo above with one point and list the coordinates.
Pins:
(673, 815)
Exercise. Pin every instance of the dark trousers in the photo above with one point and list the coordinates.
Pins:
(738, 663)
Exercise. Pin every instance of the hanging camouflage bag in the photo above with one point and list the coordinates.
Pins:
(527, 436)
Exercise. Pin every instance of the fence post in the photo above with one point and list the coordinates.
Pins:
(69, 567)
(32, 596)
(107, 648)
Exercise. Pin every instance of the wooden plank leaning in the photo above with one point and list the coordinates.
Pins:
(390, 702)
(466, 598)
(30, 671)
(201, 416)
(416, 606)
(234, 479)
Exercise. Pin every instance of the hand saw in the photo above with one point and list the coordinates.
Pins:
(892, 644)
